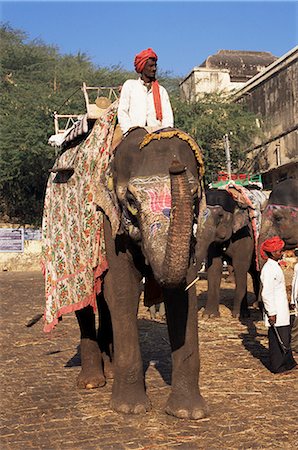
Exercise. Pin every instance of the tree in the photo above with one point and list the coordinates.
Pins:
(207, 120)
(36, 80)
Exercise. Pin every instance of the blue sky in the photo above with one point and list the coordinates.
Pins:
(183, 34)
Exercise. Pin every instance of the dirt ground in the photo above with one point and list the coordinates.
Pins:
(249, 408)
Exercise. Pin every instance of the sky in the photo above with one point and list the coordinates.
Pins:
(182, 33)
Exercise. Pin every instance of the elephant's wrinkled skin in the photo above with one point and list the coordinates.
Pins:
(227, 233)
(157, 199)
(280, 217)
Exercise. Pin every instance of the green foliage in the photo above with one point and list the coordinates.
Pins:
(208, 120)
(36, 80)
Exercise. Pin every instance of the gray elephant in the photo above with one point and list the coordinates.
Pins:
(227, 234)
(157, 191)
(280, 217)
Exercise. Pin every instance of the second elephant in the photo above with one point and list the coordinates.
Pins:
(227, 234)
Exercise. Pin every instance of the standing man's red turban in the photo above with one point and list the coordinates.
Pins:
(140, 61)
(271, 245)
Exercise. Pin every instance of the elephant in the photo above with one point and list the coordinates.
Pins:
(154, 183)
(280, 217)
(227, 234)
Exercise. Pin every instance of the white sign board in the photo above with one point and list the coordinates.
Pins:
(12, 240)
(32, 234)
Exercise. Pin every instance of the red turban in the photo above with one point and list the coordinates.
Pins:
(142, 57)
(271, 245)
(140, 61)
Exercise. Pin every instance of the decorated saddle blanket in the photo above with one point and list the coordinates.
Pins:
(73, 247)
(255, 201)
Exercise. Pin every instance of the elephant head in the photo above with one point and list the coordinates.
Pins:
(221, 220)
(157, 189)
(280, 217)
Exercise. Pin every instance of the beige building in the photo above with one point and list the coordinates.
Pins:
(268, 86)
(273, 96)
(225, 71)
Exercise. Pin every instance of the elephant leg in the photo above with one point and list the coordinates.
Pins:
(255, 276)
(181, 307)
(91, 375)
(240, 308)
(214, 272)
(122, 291)
(105, 336)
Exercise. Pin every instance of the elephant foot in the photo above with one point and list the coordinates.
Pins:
(91, 375)
(241, 315)
(108, 367)
(211, 314)
(129, 400)
(187, 407)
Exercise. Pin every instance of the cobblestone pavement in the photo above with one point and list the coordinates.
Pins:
(41, 407)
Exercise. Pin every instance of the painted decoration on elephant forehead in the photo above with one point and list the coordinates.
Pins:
(154, 228)
(274, 207)
(154, 193)
(160, 201)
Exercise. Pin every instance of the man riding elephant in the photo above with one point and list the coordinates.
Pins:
(143, 102)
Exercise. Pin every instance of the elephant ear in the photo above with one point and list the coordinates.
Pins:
(240, 219)
(106, 199)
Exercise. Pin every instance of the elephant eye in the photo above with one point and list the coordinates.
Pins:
(278, 218)
(131, 199)
(219, 218)
(132, 204)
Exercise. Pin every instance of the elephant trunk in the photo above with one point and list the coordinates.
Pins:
(176, 259)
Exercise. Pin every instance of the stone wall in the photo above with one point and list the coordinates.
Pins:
(202, 81)
(27, 260)
(273, 97)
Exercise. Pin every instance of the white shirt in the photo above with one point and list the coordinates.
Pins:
(136, 107)
(274, 293)
(294, 296)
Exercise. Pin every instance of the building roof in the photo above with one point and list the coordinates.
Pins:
(288, 58)
(241, 64)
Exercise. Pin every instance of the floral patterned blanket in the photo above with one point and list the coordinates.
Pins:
(255, 201)
(73, 247)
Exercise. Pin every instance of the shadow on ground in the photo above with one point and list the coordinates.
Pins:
(149, 332)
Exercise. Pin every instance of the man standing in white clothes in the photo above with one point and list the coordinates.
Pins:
(294, 307)
(143, 102)
(276, 307)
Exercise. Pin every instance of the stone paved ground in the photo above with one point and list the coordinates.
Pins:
(41, 407)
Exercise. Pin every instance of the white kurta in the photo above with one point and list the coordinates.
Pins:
(294, 295)
(274, 293)
(136, 107)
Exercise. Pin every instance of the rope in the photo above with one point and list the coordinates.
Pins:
(78, 89)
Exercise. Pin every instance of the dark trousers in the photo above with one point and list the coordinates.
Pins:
(280, 361)
(294, 333)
